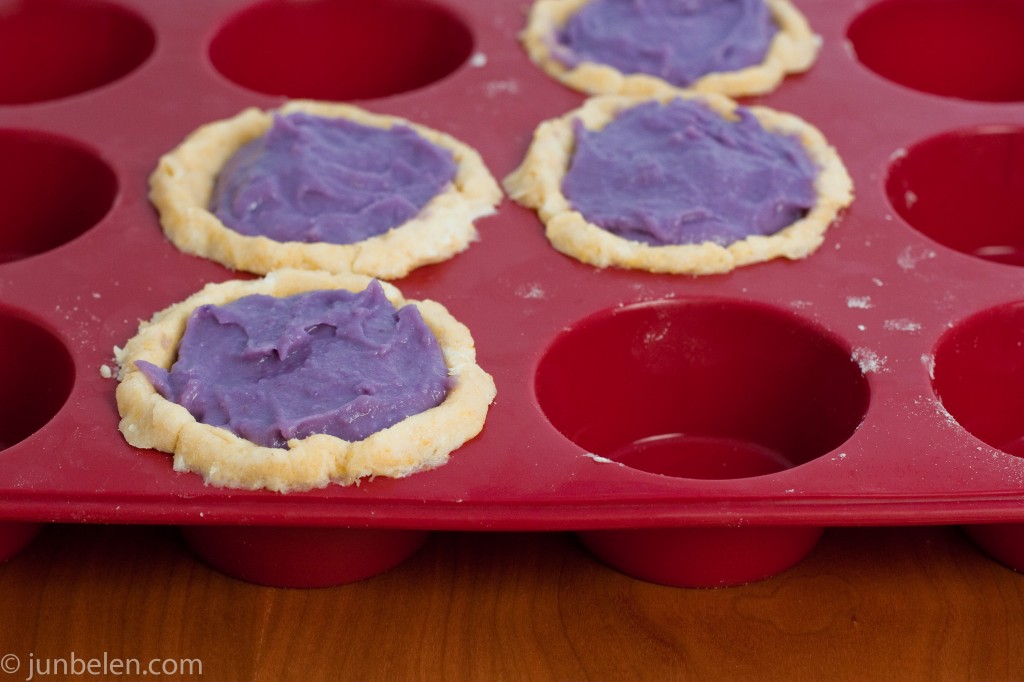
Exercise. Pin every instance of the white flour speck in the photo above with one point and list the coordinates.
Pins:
(944, 413)
(902, 324)
(508, 86)
(654, 336)
(910, 257)
(531, 291)
(928, 360)
(862, 302)
(868, 360)
(478, 60)
(601, 460)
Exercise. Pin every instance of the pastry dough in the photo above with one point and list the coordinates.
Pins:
(537, 184)
(419, 442)
(793, 50)
(182, 184)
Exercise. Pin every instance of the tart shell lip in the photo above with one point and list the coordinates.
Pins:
(537, 184)
(420, 442)
(794, 49)
(182, 183)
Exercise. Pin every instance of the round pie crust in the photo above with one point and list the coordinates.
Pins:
(182, 184)
(537, 184)
(420, 442)
(793, 50)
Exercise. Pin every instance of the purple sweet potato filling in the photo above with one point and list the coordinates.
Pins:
(679, 173)
(676, 40)
(336, 362)
(315, 179)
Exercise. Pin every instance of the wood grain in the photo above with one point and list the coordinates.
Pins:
(912, 603)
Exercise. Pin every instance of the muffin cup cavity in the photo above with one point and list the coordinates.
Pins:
(705, 458)
(701, 388)
(965, 190)
(702, 557)
(967, 49)
(302, 557)
(36, 376)
(979, 376)
(15, 536)
(1003, 542)
(52, 190)
(50, 49)
(340, 49)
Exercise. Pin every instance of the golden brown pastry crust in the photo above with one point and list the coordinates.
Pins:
(181, 186)
(422, 441)
(793, 50)
(537, 184)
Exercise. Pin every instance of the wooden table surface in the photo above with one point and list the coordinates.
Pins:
(867, 604)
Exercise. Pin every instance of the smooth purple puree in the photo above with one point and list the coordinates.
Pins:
(317, 179)
(679, 173)
(336, 362)
(676, 40)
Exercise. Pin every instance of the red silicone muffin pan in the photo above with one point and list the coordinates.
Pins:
(692, 430)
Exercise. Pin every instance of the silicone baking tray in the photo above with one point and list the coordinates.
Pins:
(694, 431)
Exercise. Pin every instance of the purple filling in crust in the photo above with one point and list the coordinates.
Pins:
(676, 40)
(336, 362)
(315, 179)
(679, 173)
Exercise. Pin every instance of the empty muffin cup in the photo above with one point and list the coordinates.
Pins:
(301, 557)
(658, 384)
(701, 389)
(965, 190)
(979, 378)
(34, 169)
(51, 49)
(36, 376)
(340, 49)
(967, 49)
